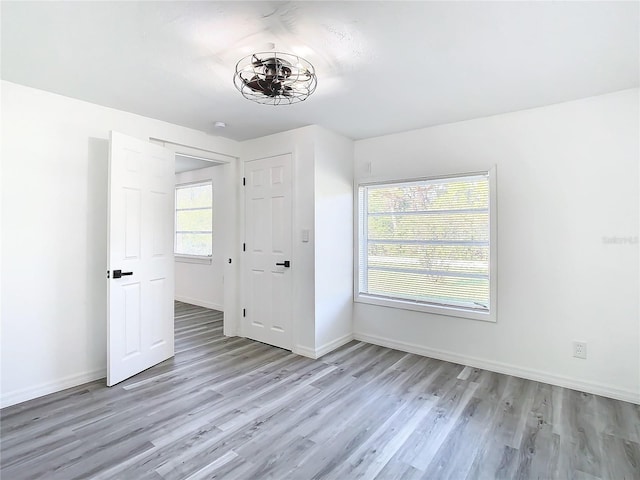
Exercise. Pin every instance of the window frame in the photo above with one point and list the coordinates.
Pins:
(432, 308)
(186, 257)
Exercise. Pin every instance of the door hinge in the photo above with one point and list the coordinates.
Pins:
(108, 275)
(244, 312)
(244, 181)
(244, 247)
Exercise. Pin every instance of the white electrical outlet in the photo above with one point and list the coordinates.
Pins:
(580, 349)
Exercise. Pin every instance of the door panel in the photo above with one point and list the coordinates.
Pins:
(268, 206)
(132, 207)
(133, 325)
(141, 199)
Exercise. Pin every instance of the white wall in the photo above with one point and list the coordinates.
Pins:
(567, 176)
(54, 230)
(197, 283)
(333, 188)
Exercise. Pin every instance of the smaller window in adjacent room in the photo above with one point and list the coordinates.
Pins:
(194, 219)
(428, 245)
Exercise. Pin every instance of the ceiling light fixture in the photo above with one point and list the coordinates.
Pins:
(275, 78)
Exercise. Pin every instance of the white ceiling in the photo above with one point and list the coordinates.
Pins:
(383, 67)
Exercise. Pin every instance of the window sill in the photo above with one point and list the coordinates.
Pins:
(425, 308)
(192, 259)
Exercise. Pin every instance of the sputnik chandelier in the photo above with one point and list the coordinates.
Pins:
(275, 78)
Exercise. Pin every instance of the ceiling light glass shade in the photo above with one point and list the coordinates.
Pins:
(275, 78)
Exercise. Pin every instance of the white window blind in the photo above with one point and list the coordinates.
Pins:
(194, 219)
(427, 242)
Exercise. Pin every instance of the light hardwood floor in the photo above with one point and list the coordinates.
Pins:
(232, 408)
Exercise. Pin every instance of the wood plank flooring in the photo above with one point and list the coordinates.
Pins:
(232, 408)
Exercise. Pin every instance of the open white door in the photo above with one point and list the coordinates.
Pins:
(268, 211)
(140, 263)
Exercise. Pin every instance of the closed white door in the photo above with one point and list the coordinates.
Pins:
(268, 298)
(140, 263)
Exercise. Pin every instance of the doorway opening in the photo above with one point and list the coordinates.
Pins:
(210, 283)
(198, 232)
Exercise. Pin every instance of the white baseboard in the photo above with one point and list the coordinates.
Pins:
(324, 349)
(332, 345)
(200, 303)
(19, 396)
(498, 367)
(304, 351)
(11, 398)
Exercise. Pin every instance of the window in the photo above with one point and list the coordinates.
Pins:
(194, 219)
(428, 245)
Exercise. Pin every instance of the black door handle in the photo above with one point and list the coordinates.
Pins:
(120, 273)
(285, 264)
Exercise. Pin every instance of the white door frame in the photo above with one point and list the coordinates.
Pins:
(232, 250)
